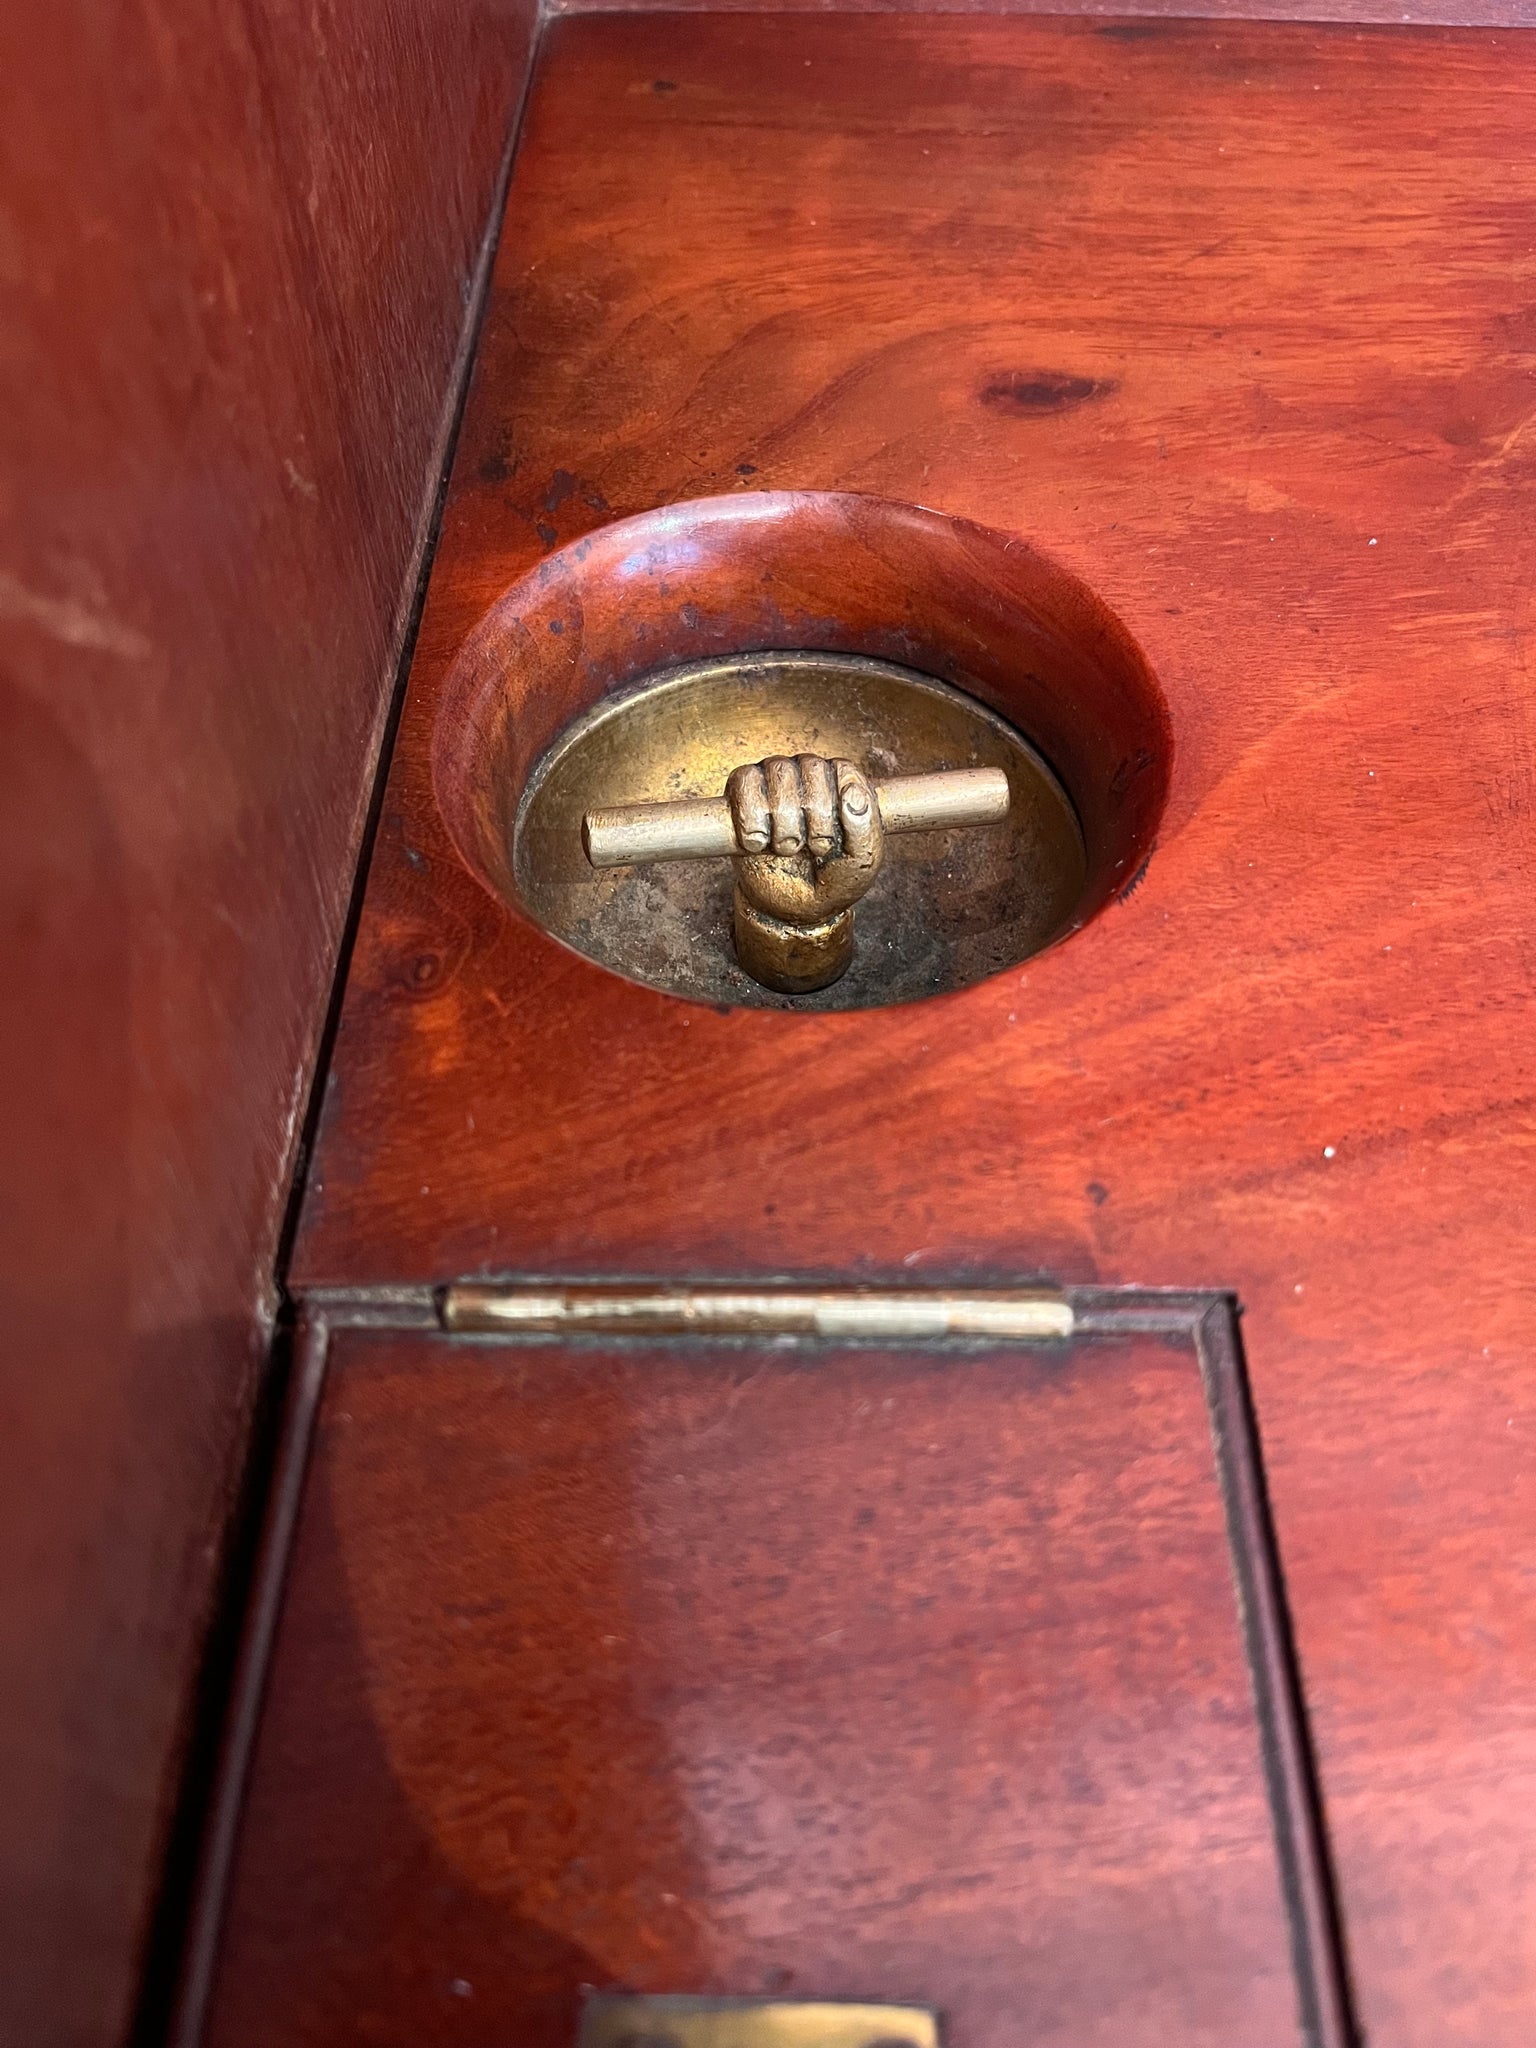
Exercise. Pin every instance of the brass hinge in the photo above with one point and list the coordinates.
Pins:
(897, 1315)
(610, 2021)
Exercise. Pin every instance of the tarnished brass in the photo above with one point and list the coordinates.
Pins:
(808, 837)
(809, 842)
(952, 904)
(811, 845)
(793, 958)
(704, 828)
(627, 2021)
(847, 1315)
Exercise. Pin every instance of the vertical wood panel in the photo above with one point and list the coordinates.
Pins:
(237, 250)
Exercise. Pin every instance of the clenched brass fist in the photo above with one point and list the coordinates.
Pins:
(811, 843)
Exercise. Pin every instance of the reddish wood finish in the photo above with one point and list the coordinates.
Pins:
(236, 252)
(1426, 13)
(852, 1674)
(1236, 322)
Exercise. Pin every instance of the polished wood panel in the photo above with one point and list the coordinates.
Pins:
(1237, 323)
(1425, 13)
(237, 249)
(744, 1669)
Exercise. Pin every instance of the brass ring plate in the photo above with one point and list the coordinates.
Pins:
(950, 907)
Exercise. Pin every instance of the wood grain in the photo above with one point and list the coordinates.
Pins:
(1236, 322)
(1424, 13)
(233, 274)
(833, 1673)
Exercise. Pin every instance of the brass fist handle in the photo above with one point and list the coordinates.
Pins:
(811, 843)
(808, 836)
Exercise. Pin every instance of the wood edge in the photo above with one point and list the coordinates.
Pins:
(400, 661)
(1376, 14)
(216, 1858)
(1306, 1874)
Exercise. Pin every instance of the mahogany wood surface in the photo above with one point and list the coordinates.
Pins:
(1238, 323)
(235, 259)
(1428, 13)
(913, 1676)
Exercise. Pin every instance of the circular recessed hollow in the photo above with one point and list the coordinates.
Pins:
(948, 907)
(647, 661)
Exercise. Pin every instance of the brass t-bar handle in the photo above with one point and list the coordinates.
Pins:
(702, 828)
(807, 834)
